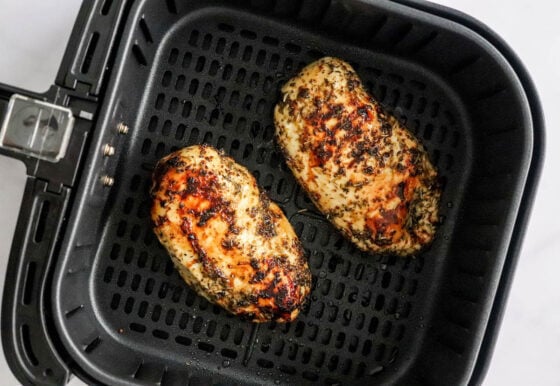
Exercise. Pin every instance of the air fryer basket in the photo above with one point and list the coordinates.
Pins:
(189, 72)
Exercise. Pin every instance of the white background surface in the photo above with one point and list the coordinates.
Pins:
(33, 35)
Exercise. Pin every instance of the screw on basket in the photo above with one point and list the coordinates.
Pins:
(108, 150)
(122, 128)
(107, 181)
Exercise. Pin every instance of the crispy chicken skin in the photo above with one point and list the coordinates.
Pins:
(227, 239)
(362, 168)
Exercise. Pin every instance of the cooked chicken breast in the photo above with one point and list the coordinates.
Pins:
(227, 239)
(362, 168)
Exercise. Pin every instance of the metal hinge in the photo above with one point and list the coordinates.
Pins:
(36, 128)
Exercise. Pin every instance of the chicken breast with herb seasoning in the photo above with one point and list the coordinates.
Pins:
(227, 239)
(362, 168)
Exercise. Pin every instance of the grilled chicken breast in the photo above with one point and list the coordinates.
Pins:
(227, 239)
(363, 169)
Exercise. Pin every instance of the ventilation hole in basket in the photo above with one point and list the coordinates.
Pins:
(176, 295)
(313, 377)
(332, 365)
(316, 259)
(339, 291)
(135, 283)
(412, 286)
(27, 346)
(187, 108)
(171, 6)
(129, 252)
(180, 132)
(115, 300)
(247, 53)
(386, 280)
(353, 295)
(128, 205)
(332, 313)
(139, 55)
(200, 113)
(435, 157)
(360, 370)
(160, 150)
(220, 46)
(325, 336)
(204, 346)
(261, 58)
(156, 313)
(448, 162)
(92, 345)
(421, 107)
(213, 69)
(227, 72)
(206, 91)
(193, 86)
(405, 309)
(380, 352)
(146, 145)
(193, 39)
(163, 288)
(183, 340)
(160, 99)
(394, 98)
(106, 7)
(160, 334)
(400, 333)
(184, 320)
(293, 48)
(206, 42)
(428, 131)
(254, 79)
(226, 27)
(233, 50)
(353, 344)
(319, 359)
(274, 62)
(417, 84)
(200, 64)
(197, 325)
(234, 98)
(214, 115)
(149, 287)
(90, 51)
(128, 305)
(265, 363)
(379, 302)
(121, 278)
(238, 336)
(142, 259)
(261, 105)
(334, 262)
(386, 329)
(228, 353)
(29, 283)
(248, 34)
(173, 106)
(145, 30)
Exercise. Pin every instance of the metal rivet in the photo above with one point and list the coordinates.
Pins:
(107, 181)
(122, 128)
(108, 150)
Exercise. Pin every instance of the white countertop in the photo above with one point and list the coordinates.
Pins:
(33, 35)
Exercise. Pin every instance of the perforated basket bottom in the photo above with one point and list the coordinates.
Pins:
(216, 80)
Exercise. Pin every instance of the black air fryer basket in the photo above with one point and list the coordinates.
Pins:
(90, 291)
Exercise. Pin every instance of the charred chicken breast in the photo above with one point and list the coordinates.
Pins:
(227, 239)
(362, 168)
